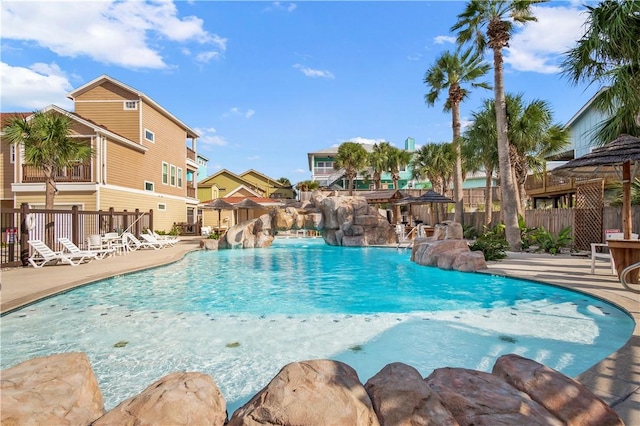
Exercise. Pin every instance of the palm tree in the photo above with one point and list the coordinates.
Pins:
(609, 54)
(285, 182)
(47, 146)
(490, 23)
(351, 157)
(533, 137)
(378, 161)
(397, 159)
(450, 72)
(481, 150)
(435, 162)
(306, 185)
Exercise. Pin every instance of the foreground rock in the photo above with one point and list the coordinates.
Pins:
(317, 392)
(62, 390)
(401, 397)
(176, 399)
(478, 398)
(567, 399)
(447, 254)
(53, 390)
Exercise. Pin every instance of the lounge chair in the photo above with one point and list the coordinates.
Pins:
(152, 240)
(44, 255)
(134, 244)
(72, 248)
(168, 238)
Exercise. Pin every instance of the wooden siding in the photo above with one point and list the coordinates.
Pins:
(6, 171)
(84, 200)
(163, 220)
(112, 116)
(582, 131)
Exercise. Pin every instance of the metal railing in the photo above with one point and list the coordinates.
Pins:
(623, 278)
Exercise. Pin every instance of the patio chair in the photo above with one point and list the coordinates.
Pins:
(72, 248)
(44, 255)
(168, 238)
(604, 254)
(134, 244)
(152, 240)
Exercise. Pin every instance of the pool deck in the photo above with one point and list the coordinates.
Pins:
(616, 379)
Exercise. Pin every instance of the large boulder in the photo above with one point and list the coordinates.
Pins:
(429, 254)
(53, 390)
(401, 397)
(470, 261)
(566, 398)
(176, 399)
(281, 220)
(317, 392)
(478, 398)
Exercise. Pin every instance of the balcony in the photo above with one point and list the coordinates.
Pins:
(191, 154)
(191, 191)
(76, 173)
(549, 184)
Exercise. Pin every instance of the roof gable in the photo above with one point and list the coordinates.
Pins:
(264, 178)
(106, 79)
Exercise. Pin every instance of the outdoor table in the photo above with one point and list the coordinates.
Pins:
(625, 253)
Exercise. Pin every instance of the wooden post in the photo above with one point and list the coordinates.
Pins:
(626, 199)
(75, 226)
(24, 234)
(111, 210)
(151, 219)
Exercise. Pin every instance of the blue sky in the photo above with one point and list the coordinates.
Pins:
(267, 82)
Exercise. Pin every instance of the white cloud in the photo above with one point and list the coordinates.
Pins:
(414, 57)
(210, 137)
(310, 72)
(253, 158)
(441, 39)
(35, 87)
(206, 57)
(539, 46)
(364, 141)
(277, 5)
(110, 32)
(237, 112)
(300, 171)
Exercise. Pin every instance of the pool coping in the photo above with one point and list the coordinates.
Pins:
(616, 379)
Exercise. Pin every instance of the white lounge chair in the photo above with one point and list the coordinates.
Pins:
(134, 244)
(44, 255)
(72, 248)
(152, 240)
(168, 238)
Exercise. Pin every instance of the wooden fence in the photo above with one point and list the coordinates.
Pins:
(20, 225)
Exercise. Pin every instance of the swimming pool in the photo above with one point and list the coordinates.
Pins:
(240, 315)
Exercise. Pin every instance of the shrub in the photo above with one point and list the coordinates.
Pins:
(492, 243)
(469, 232)
(550, 244)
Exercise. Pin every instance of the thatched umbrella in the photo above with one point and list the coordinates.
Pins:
(429, 197)
(218, 204)
(247, 204)
(620, 159)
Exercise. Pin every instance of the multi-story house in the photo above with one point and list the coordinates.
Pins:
(321, 166)
(548, 190)
(144, 158)
(251, 183)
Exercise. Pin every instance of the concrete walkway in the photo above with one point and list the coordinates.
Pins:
(616, 379)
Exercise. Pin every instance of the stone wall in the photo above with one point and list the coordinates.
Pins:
(62, 389)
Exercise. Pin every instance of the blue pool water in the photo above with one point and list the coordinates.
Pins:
(241, 315)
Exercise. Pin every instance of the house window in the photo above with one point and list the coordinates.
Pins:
(173, 175)
(130, 105)
(179, 177)
(162, 207)
(165, 173)
(12, 154)
(148, 186)
(149, 135)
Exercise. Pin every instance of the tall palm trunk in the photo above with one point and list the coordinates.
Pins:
(457, 173)
(507, 186)
(488, 198)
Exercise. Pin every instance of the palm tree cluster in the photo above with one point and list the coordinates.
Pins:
(384, 157)
(509, 136)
